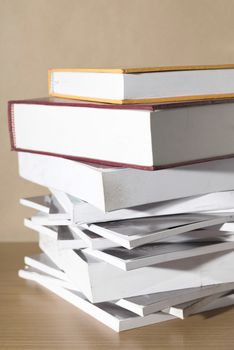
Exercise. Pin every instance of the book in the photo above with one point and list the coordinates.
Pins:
(41, 262)
(141, 85)
(51, 219)
(133, 233)
(147, 255)
(37, 274)
(110, 314)
(49, 223)
(63, 235)
(78, 212)
(82, 212)
(216, 234)
(186, 309)
(156, 253)
(87, 272)
(144, 304)
(132, 187)
(150, 137)
(40, 203)
(75, 236)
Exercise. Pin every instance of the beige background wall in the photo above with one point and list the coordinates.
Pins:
(39, 34)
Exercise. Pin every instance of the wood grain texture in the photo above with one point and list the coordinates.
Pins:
(33, 318)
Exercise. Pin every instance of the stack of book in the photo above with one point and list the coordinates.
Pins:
(138, 226)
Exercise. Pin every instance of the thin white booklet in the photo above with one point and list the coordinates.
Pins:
(62, 236)
(186, 309)
(214, 234)
(40, 203)
(157, 253)
(133, 233)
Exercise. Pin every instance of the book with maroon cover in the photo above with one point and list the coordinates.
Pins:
(147, 136)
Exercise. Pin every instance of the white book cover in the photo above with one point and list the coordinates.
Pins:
(62, 236)
(185, 273)
(96, 184)
(46, 205)
(133, 233)
(38, 274)
(41, 218)
(157, 253)
(57, 211)
(186, 309)
(97, 242)
(218, 303)
(41, 262)
(228, 227)
(40, 203)
(146, 304)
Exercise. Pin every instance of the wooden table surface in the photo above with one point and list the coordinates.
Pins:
(33, 318)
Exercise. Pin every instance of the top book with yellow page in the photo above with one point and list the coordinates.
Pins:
(143, 85)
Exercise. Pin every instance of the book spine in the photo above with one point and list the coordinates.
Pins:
(11, 125)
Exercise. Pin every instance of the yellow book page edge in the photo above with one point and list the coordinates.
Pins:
(144, 69)
(148, 100)
(138, 70)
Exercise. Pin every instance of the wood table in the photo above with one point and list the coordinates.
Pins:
(33, 318)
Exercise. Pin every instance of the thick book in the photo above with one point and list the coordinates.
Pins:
(143, 85)
(96, 184)
(144, 304)
(87, 272)
(145, 136)
(82, 212)
(111, 314)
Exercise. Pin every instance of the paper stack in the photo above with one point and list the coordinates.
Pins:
(130, 245)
